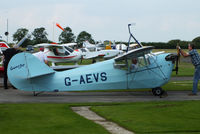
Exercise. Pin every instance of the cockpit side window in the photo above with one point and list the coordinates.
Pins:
(83, 50)
(69, 49)
(67, 53)
(136, 63)
(121, 64)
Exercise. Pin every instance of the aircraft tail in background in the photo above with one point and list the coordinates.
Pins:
(3, 46)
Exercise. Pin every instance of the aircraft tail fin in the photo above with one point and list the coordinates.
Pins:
(29, 64)
(3, 46)
(24, 67)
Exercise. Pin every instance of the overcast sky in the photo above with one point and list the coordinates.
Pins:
(155, 20)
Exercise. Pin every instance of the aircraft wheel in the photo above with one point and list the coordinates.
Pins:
(157, 91)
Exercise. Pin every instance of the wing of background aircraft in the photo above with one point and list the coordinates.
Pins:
(69, 44)
(44, 45)
(55, 44)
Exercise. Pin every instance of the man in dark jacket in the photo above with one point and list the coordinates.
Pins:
(7, 55)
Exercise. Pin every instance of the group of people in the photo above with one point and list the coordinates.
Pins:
(195, 58)
(10, 52)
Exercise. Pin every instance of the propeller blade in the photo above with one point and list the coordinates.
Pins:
(59, 26)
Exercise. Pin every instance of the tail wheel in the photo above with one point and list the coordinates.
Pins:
(157, 91)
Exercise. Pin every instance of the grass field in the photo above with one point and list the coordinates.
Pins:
(155, 117)
(44, 119)
(179, 86)
(185, 69)
(140, 117)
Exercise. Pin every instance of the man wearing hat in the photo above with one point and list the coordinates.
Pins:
(7, 55)
(41, 55)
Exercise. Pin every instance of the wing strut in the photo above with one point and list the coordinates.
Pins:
(131, 35)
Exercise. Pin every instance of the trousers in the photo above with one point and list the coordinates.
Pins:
(196, 79)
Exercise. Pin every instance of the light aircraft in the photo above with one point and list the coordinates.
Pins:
(60, 52)
(27, 73)
(57, 53)
(93, 47)
(91, 51)
(106, 54)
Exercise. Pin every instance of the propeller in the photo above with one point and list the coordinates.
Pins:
(58, 25)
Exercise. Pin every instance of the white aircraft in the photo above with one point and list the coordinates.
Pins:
(106, 54)
(90, 51)
(57, 53)
(93, 47)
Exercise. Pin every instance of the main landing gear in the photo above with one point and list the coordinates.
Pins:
(158, 91)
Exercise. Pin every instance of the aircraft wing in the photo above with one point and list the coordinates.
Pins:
(69, 44)
(135, 53)
(93, 55)
(47, 45)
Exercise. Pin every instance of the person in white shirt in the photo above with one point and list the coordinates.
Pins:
(134, 64)
(41, 56)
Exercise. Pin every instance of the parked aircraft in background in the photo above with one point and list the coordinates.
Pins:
(93, 47)
(57, 53)
(90, 51)
(122, 47)
(105, 54)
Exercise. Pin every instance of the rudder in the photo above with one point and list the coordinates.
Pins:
(23, 67)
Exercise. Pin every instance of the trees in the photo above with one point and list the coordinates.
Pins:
(196, 41)
(39, 35)
(67, 36)
(19, 34)
(83, 36)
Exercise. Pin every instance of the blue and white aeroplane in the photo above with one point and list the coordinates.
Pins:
(136, 69)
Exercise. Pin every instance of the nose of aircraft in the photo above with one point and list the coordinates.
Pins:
(174, 58)
(171, 57)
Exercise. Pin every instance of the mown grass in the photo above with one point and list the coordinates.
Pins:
(44, 119)
(155, 117)
(185, 69)
(179, 86)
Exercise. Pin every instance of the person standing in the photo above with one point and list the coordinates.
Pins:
(41, 55)
(7, 55)
(195, 58)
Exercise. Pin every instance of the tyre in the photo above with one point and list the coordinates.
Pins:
(157, 91)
